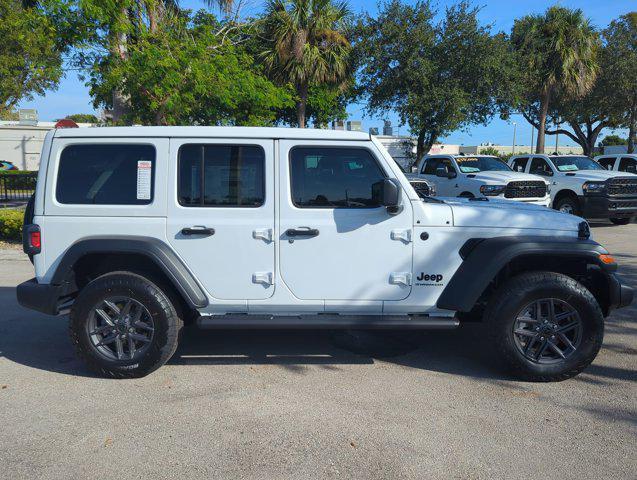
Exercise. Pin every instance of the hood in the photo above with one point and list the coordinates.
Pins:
(503, 177)
(507, 214)
(599, 175)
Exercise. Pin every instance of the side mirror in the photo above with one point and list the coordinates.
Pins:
(387, 193)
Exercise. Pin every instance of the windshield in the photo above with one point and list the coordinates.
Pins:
(481, 164)
(573, 164)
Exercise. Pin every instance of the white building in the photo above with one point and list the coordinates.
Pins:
(22, 144)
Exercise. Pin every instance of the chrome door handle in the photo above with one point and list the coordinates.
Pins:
(198, 230)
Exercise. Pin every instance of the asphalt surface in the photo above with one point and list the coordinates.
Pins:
(265, 405)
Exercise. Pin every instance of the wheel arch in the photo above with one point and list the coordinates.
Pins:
(489, 262)
(94, 256)
(565, 192)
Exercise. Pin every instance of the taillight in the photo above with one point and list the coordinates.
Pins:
(32, 239)
(35, 239)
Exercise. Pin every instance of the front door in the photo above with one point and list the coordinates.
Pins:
(336, 241)
(221, 214)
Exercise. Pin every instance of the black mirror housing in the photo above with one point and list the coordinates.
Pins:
(387, 193)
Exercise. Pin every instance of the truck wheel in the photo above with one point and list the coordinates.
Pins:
(568, 204)
(621, 221)
(546, 326)
(124, 326)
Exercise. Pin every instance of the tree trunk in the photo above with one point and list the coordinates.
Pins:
(544, 110)
(121, 102)
(424, 143)
(301, 104)
(632, 129)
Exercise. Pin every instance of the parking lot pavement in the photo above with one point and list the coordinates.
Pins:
(295, 405)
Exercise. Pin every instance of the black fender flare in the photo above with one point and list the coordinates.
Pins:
(484, 258)
(152, 248)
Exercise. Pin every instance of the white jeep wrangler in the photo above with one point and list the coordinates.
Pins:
(136, 230)
(582, 187)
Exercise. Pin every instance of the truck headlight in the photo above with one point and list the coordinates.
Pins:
(432, 190)
(593, 188)
(492, 190)
(548, 188)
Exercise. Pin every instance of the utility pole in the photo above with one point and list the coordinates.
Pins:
(557, 136)
(513, 146)
(532, 132)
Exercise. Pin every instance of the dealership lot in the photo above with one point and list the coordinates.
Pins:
(297, 405)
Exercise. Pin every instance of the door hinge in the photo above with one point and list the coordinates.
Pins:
(402, 235)
(264, 278)
(263, 234)
(400, 278)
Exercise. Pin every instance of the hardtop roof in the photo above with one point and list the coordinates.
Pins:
(211, 132)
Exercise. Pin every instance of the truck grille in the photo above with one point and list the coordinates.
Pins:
(421, 187)
(621, 186)
(526, 189)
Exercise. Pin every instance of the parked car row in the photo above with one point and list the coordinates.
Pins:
(602, 188)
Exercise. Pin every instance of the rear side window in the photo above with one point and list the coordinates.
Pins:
(607, 162)
(519, 164)
(333, 177)
(106, 174)
(228, 175)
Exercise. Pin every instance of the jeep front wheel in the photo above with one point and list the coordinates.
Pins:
(123, 325)
(546, 326)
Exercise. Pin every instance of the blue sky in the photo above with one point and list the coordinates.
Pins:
(72, 95)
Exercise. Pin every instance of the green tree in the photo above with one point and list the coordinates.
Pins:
(83, 118)
(306, 47)
(612, 140)
(621, 40)
(557, 56)
(186, 72)
(33, 39)
(439, 76)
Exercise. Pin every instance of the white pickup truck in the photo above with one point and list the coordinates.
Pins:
(582, 187)
(135, 231)
(625, 162)
(478, 176)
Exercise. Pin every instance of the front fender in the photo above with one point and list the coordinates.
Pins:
(483, 259)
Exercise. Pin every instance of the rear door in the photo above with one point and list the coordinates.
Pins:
(337, 242)
(221, 214)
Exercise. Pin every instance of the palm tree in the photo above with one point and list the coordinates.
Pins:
(305, 46)
(558, 55)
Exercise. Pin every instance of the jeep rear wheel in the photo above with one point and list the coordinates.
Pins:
(546, 326)
(124, 326)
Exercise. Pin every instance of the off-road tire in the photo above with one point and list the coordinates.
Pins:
(512, 296)
(621, 221)
(569, 200)
(167, 324)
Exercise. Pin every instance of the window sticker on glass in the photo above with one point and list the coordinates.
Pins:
(144, 171)
(568, 168)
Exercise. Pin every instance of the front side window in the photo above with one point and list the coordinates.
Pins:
(575, 163)
(228, 175)
(540, 167)
(106, 174)
(481, 164)
(607, 162)
(628, 164)
(519, 164)
(333, 177)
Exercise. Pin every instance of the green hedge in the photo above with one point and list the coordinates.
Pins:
(17, 172)
(11, 224)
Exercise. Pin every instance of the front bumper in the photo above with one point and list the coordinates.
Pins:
(620, 295)
(41, 297)
(594, 206)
